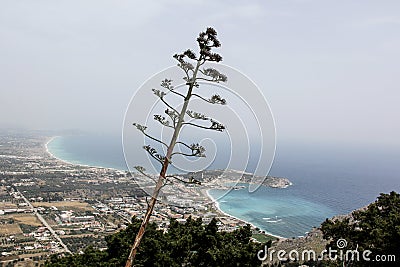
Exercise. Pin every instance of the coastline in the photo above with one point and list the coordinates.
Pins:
(216, 205)
(205, 192)
(51, 139)
(46, 146)
(73, 163)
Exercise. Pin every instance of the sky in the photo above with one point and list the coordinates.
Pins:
(329, 69)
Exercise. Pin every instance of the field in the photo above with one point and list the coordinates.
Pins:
(262, 238)
(29, 219)
(65, 205)
(10, 229)
(7, 205)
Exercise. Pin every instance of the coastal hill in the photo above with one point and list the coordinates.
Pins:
(371, 232)
(233, 176)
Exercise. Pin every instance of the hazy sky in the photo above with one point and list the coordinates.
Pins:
(329, 69)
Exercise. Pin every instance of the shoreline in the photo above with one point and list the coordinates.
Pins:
(74, 163)
(206, 195)
(216, 205)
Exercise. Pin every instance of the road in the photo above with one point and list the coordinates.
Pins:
(44, 222)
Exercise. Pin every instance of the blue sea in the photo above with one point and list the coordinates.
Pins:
(328, 179)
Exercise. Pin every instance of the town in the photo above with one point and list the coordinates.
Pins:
(48, 206)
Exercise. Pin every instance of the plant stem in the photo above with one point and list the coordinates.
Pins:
(161, 177)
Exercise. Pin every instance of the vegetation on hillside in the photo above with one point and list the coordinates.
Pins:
(184, 244)
(375, 228)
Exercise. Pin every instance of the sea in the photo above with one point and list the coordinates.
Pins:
(328, 180)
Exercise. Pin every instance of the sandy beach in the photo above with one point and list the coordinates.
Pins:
(52, 155)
